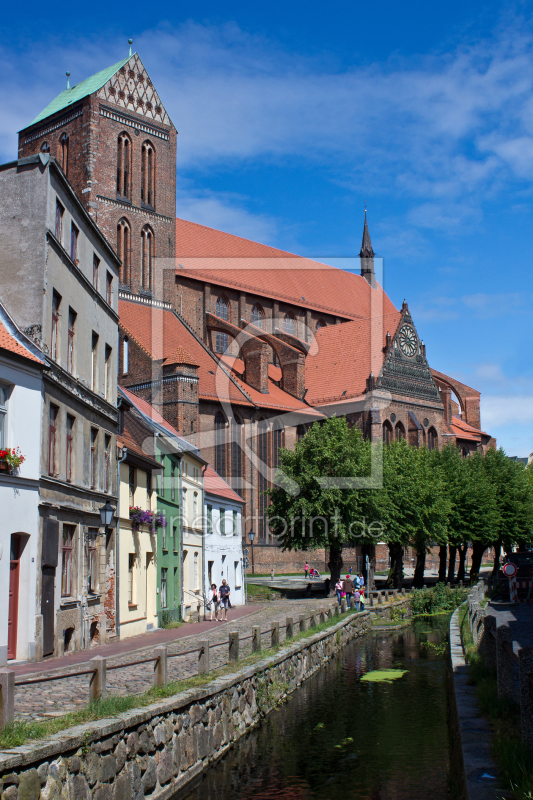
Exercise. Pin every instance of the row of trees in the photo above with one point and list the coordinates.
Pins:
(416, 497)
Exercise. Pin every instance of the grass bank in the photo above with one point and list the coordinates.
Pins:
(20, 732)
(513, 758)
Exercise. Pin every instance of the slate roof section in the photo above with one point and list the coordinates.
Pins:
(83, 89)
(223, 259)
(217, 486)
(344, 356)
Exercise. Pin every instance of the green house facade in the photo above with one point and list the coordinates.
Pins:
(168, 537)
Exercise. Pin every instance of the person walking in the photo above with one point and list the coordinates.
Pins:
(361, 580)
(272, 574)
(212, 602)
(338, 590)
(306, 569)
(348, 589)
(223, 593)
(357, 597)
(362, 599)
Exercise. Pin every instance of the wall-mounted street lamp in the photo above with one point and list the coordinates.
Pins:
(107, 512)
(251, 537)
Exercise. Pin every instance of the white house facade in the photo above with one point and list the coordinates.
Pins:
(21, 411)
(223, 541)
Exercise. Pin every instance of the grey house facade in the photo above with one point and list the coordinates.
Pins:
(59, 281)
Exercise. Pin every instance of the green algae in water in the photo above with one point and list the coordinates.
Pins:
(383, 675)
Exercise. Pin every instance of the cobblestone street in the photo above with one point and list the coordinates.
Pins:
(55, 698)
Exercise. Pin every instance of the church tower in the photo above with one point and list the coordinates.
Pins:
(117, 146)
(367, 257)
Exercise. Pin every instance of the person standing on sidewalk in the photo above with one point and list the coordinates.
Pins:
(223, 593)
(306, 569)
(348, 587)
(338, 590)
(212, 602)
(357, 598)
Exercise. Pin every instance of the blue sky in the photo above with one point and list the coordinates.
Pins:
(291, 115)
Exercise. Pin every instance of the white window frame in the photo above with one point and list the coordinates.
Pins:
(3, 416)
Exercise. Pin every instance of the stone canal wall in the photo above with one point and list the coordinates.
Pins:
(153, 751)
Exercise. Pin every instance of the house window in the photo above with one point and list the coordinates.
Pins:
(288, 324)
(54, 411)
(93, 454)
(220, 443)
(184, 505)
(92, 561)
(235, 523)
(94, 361)
(147, 257)
(96, 267)
(222, 308)
(132, 486)
(108, 378)
(70, 352)
(70, 432)
(236, 574)
(195, 508)
(222, 521)
(131, 567)
(196, 574)
(63, 141)
(125, 355)
(56, 302)
(108, 288)
(277, 444)
(257, 316)
(3, 417)
(262, 483)
(209, 523)
(123, 165)
(237, 430)
(66, 560)
(175, 537)
(107, 463)
(74, 233)
(149, 486)
(163, 538)
(164, 572)
(59, 222)
(173, 482)
(148, 174)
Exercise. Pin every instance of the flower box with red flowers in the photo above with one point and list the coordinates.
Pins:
(10, 459)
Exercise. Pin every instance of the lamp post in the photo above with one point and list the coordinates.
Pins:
(251, 537)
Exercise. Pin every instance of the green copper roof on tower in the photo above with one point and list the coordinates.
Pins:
(83, 89)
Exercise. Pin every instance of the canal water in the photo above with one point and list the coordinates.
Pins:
(341, 738)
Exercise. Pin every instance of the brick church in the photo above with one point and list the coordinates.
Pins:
(241, 346)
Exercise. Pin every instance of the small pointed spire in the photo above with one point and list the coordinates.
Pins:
(68, 81)
(367, 256)
(130, 42)
(366, 246)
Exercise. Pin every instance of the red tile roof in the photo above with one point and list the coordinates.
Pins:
(145, 408)
(10, 343)
(338, 366)
(214, 484)
(226, 260)
(465, 431)
(181, 357)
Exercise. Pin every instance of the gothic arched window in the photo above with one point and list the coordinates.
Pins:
(257, 315)
(124, 250)
(220, 443)
(63, 141)
(433, 439)
(222, 308)
(262, 479)
(387, 432)
(237, 433)
(289, 323)
(399, 431)
(124, 166)
(148, 174)
(45, 147)
(277, 442)
(320, 324)
(147, 257)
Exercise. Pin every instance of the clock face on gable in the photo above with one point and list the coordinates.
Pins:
(408, 340)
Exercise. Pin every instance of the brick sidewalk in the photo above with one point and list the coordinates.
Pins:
(55, 698)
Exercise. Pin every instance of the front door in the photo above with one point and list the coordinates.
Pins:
(13, 613)
(47, 609)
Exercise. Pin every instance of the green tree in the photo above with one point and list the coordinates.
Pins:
(309, 509)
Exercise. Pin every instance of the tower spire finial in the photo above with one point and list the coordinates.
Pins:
(68, 82)
(130, 42)
(366, 255)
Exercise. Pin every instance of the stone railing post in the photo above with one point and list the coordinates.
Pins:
(312, 620)
(160, 669)
(98, 682)
(321, 617)
(337, 610)
(256, 639)
(380, 600)
(7, 697)
(403, 590)
(234, 645)
(274, 634)
(343, 605)
(203, 657)
(289, 632)
(102, 628)
(487, 643)
(504, 661)
(525, 669)
(302, 622)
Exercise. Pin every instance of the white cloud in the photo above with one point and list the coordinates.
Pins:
(504, 410)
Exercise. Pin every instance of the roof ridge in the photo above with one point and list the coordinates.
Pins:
(242, 238)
